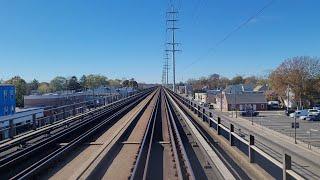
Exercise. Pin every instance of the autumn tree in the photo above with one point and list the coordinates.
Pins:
(43, 88)
(300, 74)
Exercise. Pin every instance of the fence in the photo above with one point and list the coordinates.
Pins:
(279, 170)
(14, 126)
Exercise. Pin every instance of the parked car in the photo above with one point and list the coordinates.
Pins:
(249, 113)
(316, 107)
(211, 106)
(288, 112)
(304, 117)
(273, 105)
(299, 113)
(313, 112)
(313, 117)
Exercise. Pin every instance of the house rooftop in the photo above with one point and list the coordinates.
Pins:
(246, 98)
(238, 88)
(6, 85)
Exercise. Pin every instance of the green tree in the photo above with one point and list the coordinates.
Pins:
(133, 83)
(59, 83)
(237, 80)
(73, 84)
(125, 83)
(82, 82)
(115, 83)
(94, 81)
(32, 86)
(21, 89)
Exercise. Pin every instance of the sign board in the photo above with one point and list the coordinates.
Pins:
(295, 125)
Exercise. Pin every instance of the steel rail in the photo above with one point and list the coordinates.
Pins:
(83, 122)
(83, 172)
(205, 135)
(140, 165)
(44, 130)
(176, 141)
(146, 168)
(44, 162)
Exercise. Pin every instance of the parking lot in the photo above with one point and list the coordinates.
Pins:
(308, 131)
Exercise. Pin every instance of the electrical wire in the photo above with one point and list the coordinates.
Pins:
(227, 36)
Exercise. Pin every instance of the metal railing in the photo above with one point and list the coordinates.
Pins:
(246, 143)
(22, 124)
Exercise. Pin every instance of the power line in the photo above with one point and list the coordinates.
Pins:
(227, 36)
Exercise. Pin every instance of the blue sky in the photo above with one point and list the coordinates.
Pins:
(125, 38)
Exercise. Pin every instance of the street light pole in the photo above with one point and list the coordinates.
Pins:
(288, 98)
(235, 103)
(251, 117)
(295, 129)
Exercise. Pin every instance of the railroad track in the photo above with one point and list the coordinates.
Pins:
(215, 162)
(148, 136)
(45, 152)
(162, 154)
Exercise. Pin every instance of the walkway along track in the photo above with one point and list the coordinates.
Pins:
(45, 153)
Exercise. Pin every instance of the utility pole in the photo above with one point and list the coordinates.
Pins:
(166, 69)
(172, 19)
(288, 97)
(163, 75)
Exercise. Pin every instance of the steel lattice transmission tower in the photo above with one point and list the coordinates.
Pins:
(171, 25)
(166, 66)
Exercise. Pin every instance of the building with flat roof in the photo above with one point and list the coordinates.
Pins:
(7, 99)
(242, 102)
(53, 99)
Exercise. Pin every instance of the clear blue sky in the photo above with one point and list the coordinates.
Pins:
(42, 39)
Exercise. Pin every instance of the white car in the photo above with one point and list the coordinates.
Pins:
(299, 113)
(313, 112)
(304, 117)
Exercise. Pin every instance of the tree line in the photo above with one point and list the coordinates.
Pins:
(300, 75)
(61, 83)
(215, 81)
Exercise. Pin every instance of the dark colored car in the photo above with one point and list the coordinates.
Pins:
(313, 117)
(249, 113)
(288, 112)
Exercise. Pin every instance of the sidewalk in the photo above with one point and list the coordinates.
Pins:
(307, 161)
